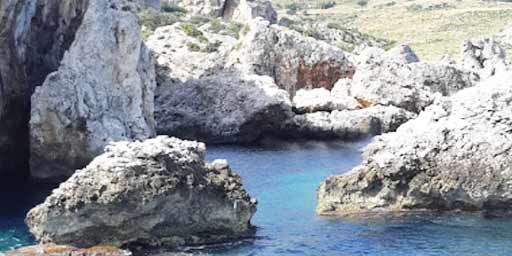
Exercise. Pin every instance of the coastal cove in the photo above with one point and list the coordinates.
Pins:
(284, 178)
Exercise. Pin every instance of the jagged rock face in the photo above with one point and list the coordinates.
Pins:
(33, 38)
(455, 156)
(396, 78)
(294, 61)
(102, 92)
(64, 250)
(234, 10)
(484, 56)
(180, 56)
(246, 10)
(224, 108)
(346, 124)
(158, 192)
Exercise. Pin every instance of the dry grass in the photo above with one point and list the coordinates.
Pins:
(430, 32)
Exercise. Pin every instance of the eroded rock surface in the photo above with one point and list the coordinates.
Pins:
(227, 107)
(64, 250)
(33, 38)
(235, 10)
(158, 192)
(396, 78)
(484, 56)
(293, 60)
(102, 92)
(455, 156)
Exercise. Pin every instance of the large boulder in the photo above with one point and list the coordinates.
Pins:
(455, 156)
(484, 56)
(64, 250)
(34, 37)
(102, 92)
(158, 192)
(346, 124)
(293, 60)
(396, 78)
(234, 10)
(223, 108)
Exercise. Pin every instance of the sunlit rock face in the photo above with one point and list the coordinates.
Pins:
(156, 193)
(455, 156)
(102, 92)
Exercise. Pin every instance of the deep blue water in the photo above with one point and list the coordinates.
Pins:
(284, 178)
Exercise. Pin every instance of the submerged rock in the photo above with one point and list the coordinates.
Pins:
(455, 156)
(293, 60)
(102, 92)
(64, 250)
(158, 192)
(224, 108)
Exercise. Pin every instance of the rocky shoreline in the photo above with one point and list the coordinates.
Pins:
(82, 89)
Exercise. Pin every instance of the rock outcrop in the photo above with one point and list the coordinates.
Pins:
(234, 10)
(346, 124)
(293, 60)
(34, 37)
(396, 78)
(184, 51)
(102, 92)
(158, 192)
(484, 56)
(455, 156)
(64, 250)
(224, 108)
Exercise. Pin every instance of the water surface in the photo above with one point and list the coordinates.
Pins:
(284, 178)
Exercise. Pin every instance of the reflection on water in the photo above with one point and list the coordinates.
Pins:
(284, 178)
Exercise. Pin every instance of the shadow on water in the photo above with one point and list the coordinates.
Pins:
(16, 199)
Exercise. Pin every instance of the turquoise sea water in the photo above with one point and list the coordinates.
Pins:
(284, 178)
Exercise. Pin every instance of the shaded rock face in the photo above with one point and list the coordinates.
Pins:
(64, 250)
(234, 10)
(484, 56)
(159, 192)
(294, 61)
(33, 38)
(102, 92)
(455, 156)
(225, 108)
(396, 78)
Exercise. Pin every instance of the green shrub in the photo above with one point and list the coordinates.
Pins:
(327, 5)
(192, 31)
(199, 20)
(152, 19)
(170, 8)
(193, 47)
(233, 29)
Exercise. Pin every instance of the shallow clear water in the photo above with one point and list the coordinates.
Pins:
(284, 178)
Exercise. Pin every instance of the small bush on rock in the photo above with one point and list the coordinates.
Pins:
(192, 31)
(170, 8)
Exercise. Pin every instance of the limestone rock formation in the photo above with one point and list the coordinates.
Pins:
(396, 78)
(34, 37)
(321, 99)
(346, 124)
(158, 192)
(184, 51)
(64, 250)
(293, 60)
(484, 56)
(455, 156)
(227, 107)
(102, 92)
(235, 10)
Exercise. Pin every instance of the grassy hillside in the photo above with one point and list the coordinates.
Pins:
(432, 27)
